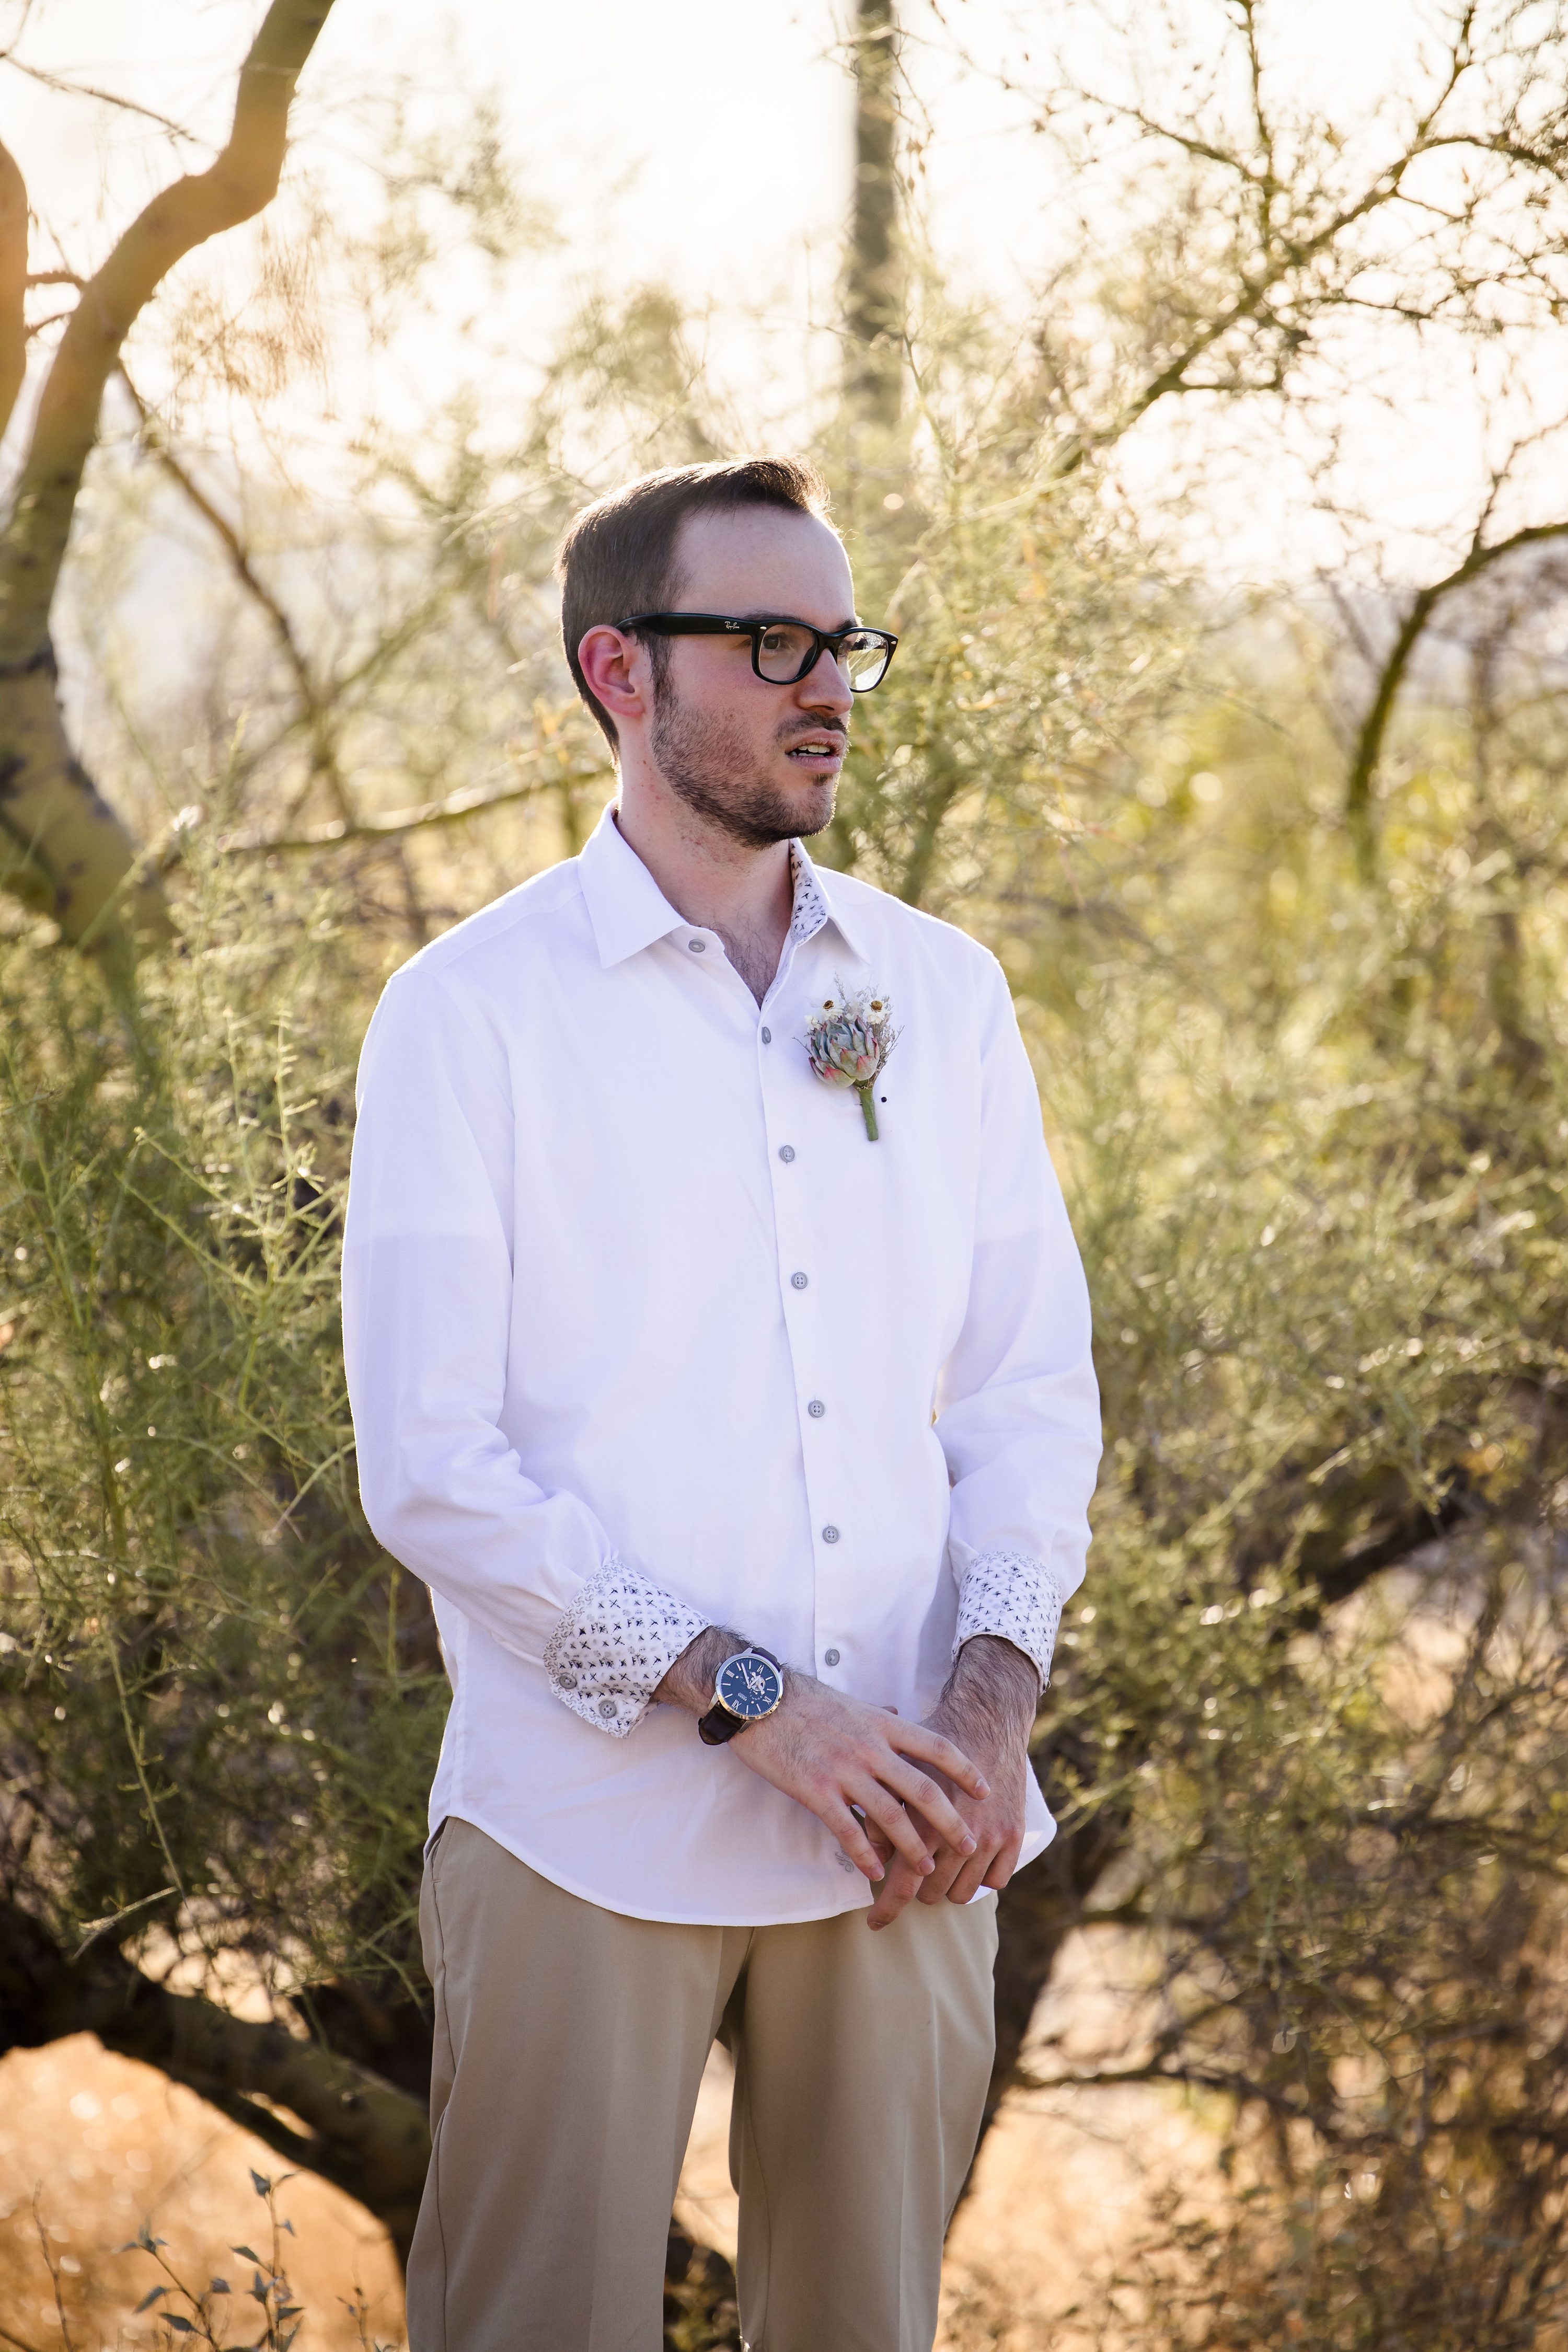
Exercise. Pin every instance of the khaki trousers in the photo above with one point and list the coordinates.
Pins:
(570, 2043)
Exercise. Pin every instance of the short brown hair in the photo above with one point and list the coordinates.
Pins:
(618, 555)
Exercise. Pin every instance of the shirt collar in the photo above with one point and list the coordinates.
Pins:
(628, 910)
(819, 896)
(626, 906)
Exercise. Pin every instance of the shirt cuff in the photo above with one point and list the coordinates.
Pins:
(614, 1646)
(1014, 1596)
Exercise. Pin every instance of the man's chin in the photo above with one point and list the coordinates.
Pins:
(815, 801)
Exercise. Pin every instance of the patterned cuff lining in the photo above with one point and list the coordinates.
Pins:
(1012, 1594)
(614, 1646)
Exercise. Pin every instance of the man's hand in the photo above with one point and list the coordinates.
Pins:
(987, 1710)
(868, 1776)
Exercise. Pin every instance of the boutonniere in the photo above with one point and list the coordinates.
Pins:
(849, 1039)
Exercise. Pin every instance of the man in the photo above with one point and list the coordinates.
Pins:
(737, 1408)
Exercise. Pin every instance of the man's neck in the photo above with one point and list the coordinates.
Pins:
(746, 895)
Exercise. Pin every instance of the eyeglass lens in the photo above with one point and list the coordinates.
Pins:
(784, 652)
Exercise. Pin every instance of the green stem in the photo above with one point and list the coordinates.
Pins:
(868, 1106)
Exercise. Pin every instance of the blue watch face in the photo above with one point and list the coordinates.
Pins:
(749, 1686)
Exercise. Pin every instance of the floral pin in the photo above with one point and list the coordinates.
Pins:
(849, 1039)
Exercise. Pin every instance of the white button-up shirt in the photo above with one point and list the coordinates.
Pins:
(645, 1334)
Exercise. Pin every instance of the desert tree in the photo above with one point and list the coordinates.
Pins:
(1243, 257)
(65, 850)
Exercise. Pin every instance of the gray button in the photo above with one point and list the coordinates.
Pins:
(786, 1152)
(816, 1408)
(797, 1281)
(698, 947)
(830, 1535)
(565, 1682)
(606, 1706)
(830, 1657)
(768, 1037)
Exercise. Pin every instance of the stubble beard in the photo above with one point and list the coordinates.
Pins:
(708, 764)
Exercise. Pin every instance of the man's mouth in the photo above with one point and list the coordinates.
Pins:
(818, 751)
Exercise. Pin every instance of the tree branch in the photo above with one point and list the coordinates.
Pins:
(241, 181)
(69, 88)
(1281, 257)
(1238, 2086)
(62, 849)
(361, 2132)
(233, 545)
(1042, 1906)
(467, 802)
(1390, 678)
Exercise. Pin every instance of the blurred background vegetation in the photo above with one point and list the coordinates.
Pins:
(1276, 873)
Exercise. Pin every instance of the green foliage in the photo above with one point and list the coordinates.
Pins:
(1348, 1896)
(1316, 1687)
(220, 1700)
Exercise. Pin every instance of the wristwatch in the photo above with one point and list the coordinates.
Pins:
(746, 1687)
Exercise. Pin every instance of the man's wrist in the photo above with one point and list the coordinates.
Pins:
(688, 1680)
(994, 1686)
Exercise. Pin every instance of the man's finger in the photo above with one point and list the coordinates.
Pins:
(885, 1809)
(950, 1859)
(845, 1827)
(1004, 1864)
(893, 1894)
(914, 1740)
(919, 1791)
(935, 1888)
(977, 1871)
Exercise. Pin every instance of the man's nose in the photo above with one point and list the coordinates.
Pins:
(824, 686)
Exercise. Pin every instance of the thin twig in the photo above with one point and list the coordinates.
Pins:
(53, 2269)
(467, 802)
(9, 2335)
(94, 1928)
(104, 97)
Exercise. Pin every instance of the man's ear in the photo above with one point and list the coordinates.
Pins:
(618, 670)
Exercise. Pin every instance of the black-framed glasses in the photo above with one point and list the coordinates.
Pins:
(783, 651)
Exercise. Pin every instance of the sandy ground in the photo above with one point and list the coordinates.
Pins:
(105, 2144)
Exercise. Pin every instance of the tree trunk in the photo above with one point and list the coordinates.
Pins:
(63, 850)
(13, 285)
(358, 2129)
(874, 277)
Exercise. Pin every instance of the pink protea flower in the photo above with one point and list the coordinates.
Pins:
(848, 1040)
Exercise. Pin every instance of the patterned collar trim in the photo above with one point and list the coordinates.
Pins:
(811, 909)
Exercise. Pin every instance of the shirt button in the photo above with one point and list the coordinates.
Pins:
(786, 1152)
(830, 1657)
(816, 1408)
(797, 1281)
(698, 947)
(830, 1535)
(768, 1037)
